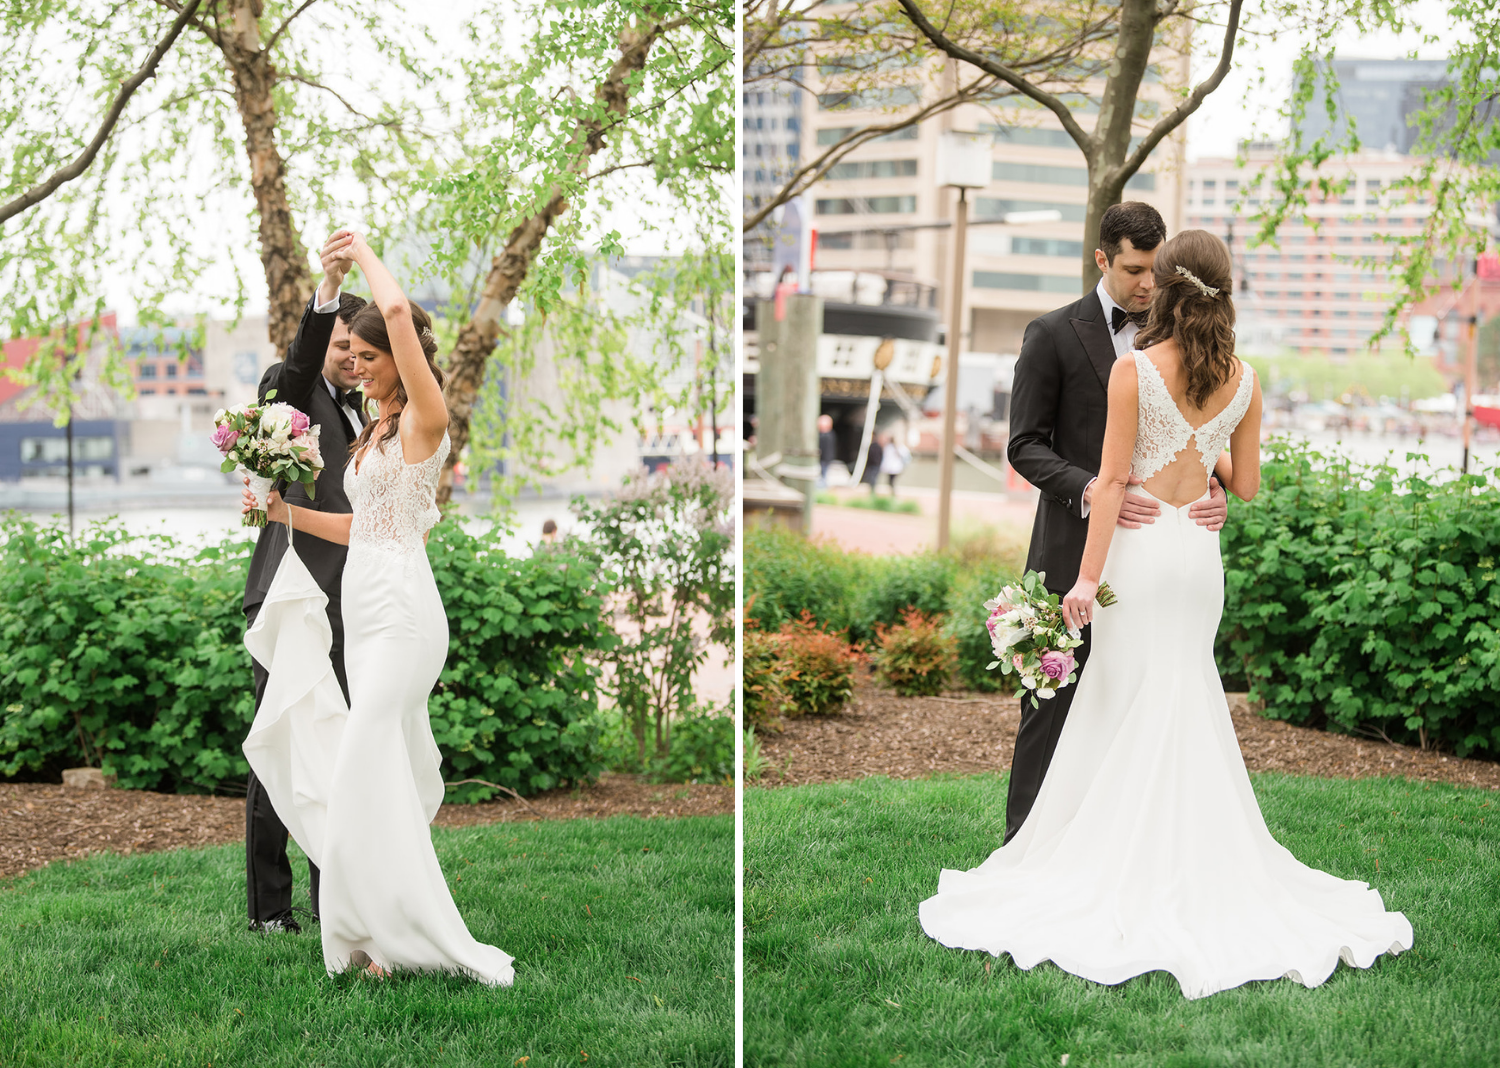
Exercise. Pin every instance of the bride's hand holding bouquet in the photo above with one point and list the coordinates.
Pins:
(1033, 635)
(267, 442)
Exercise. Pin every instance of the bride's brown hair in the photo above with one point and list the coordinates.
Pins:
(369, 326)
(1185, 310)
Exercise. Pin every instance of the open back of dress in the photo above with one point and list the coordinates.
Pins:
(1146, 849)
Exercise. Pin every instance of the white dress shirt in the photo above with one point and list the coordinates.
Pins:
(329, 308)
(1125, 339)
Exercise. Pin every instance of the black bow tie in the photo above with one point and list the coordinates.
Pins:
(352, 399)
(1118, 317)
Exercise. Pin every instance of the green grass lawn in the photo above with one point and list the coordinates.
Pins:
(622, 930)
(838, 971)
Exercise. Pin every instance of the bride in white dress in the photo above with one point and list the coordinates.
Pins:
(1146, 849)
(358, 792)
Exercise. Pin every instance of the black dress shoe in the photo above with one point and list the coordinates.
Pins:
(283, 924)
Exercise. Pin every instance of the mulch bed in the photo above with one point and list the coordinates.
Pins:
(40, 823)
(964, 733)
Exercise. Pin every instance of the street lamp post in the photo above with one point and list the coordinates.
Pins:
(964, 162)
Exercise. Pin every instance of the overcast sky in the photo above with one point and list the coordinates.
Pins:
(1241, 108)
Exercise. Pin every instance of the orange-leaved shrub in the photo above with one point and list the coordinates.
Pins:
(764, 673)
(819, 668)
(915, 657)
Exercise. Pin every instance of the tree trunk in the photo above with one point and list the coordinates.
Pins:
(1111, 138)
(466, 365)
(1103, 195)
(289, 282)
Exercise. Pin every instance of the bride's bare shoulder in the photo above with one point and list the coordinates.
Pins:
(1125, 364)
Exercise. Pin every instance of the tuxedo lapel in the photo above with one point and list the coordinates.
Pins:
(1093, 333)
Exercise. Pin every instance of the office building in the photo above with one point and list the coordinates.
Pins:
(1322, 288)
(881, 209)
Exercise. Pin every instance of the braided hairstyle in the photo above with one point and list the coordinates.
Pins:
(369, 327)
(1191, 305)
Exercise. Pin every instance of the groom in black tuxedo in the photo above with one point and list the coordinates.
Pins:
(317, 378)
(1059, 402)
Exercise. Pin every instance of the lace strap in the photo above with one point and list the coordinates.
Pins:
(1238, 405)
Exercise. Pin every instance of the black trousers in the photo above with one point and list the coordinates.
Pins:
(268, 871)
(1036, 740)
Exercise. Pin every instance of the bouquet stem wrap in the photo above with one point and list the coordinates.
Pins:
(260, 488)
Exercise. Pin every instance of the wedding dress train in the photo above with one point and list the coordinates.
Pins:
(358, 788)
(1146, 849)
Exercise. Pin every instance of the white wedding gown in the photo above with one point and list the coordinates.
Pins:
(1145, 849)
(357, 787)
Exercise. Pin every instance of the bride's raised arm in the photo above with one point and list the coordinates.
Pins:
(425, 414)
(1109, 490)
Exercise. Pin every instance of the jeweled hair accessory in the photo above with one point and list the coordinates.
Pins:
(426, 334)
(1206, 290)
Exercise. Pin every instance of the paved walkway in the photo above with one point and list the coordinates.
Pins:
(883, 533)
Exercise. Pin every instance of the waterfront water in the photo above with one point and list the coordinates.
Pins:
(203, 512)
(1443, 454)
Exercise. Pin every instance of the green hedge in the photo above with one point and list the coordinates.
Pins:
(966, 624)
(1355, 599)
(848, 592)
(852, 593)
(117, 651)
(1367, 602)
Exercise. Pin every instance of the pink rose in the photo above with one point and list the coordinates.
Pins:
(1018, 661)
(300, 422)
(225, 437)
(1057, 665)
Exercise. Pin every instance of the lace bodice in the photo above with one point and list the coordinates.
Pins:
(395, 503)
(1162, 432)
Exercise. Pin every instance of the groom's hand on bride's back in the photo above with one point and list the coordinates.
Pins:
(1212, 513)
(1136, 511)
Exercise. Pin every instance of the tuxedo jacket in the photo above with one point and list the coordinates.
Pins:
(298, 381)
(1058, 405)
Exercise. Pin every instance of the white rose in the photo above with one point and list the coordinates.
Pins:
(219, 416)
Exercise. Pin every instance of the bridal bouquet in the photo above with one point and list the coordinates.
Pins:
(267, 442)
(1032, 639)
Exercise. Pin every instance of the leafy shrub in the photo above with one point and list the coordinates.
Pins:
(877, 503)
(756, 763)
(966, 626)
(125, 653)
(1366, 602)
(819, 668)
(982, 546)
(515, 702)
(892, 585)
(915, 658)
(700, 747)
(115, 655)
(788, 575)
(663, 543)
(701, 750)
(763, 671)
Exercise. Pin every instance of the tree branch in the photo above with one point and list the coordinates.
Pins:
(176, 8)
(941, 42)
(282, 28)
(331, 92)
(39, 193)
(1148, 144)
(802, 179)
